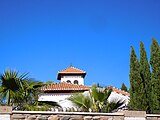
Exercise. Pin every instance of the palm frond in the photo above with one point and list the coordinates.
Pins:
(84, 102)
(114, 105)
(97, 100)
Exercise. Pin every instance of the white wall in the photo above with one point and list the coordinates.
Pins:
(60, 98)
(57, 97)
(115, 97)
(72, 79)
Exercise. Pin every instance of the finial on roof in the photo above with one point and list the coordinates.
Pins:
(71, 65)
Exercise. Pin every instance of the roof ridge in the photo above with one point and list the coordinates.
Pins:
(72, 68)
(75, 68)
(119, 91)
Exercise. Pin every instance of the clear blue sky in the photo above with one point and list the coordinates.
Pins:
(44, 36)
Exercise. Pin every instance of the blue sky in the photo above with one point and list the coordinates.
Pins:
(43, 37)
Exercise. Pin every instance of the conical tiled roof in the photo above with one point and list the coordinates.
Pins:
(71, 71)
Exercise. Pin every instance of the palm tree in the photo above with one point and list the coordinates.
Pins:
(100, 98)
(27, 95)
(82, 101)
(96, 100)
(114, 105)
(27, 98)
(11, 83)
(19, 91)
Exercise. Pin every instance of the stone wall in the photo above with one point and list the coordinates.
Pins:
(37, 115)
(153, 117)
(7, 114)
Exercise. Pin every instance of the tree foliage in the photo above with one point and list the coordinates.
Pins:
(155, 75)
(123, 87)
(96, 100)
(21, 92)
(134, 81)
(82, 101)
(145, 75)
(11, 84)
(145, 81)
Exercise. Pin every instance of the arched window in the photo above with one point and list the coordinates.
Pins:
(76, 82)
(68, 81)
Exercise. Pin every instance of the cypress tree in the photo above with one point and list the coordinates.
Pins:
(123, 87)
(145, 79)
(155, 75)
(135, 101)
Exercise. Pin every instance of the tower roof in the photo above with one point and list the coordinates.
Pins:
(71, 71)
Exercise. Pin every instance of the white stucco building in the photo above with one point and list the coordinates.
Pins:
(72, 75)
(72, 81)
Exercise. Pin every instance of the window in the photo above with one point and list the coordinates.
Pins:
(76, 82)
(68, 81)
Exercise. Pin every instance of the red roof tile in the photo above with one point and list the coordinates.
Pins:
(119, 91)
(71, 71)
(74, 87)
(65, 87)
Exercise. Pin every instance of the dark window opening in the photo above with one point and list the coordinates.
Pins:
(76, 82)
(68, 81)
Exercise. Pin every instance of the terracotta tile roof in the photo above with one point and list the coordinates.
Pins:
(71, 71)
(119, 91)
(65, 87)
